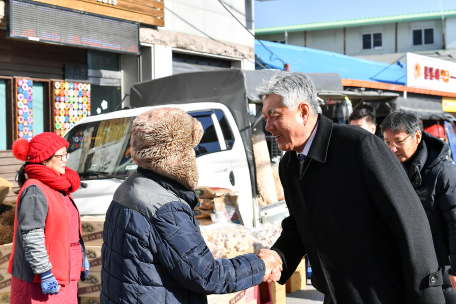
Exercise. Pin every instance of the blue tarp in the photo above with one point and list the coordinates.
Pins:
(315, 61)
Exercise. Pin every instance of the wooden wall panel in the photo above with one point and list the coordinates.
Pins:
(143, 11)
(37, 60)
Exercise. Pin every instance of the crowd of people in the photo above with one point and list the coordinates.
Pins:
(384, 233)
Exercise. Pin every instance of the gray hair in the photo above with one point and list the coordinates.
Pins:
(294, 87)
(405, 121)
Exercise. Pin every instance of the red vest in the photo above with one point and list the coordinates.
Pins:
(56, 233)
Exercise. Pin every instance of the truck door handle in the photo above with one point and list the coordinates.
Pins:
(232, 180)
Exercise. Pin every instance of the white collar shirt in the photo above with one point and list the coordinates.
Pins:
(306, 149)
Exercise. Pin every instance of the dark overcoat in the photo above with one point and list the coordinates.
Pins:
(355, 214)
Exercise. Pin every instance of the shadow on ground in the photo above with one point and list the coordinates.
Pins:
(305, 296)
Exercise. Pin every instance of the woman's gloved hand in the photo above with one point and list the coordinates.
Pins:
(85, 269)
(49, 284)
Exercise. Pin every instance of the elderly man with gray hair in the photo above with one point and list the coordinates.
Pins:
(352, 208)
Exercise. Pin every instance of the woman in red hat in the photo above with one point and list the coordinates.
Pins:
(48, 256)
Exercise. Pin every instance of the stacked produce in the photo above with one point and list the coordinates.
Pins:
(265, 178)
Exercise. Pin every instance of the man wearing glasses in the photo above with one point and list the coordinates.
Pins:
(433, 176)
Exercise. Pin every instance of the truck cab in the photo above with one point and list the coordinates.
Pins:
(100, 153)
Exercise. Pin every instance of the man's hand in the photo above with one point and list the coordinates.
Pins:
(453, 281)
(273, 264)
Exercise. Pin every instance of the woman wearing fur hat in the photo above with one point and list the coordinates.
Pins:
(153, 251)
(48, 256)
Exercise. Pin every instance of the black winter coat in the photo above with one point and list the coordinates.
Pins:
(355, 214)
(153, 251)
(433, 176)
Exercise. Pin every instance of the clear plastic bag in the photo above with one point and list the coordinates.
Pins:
(226, 238)
(265, 235)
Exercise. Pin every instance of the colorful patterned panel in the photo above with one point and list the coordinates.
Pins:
(24, 101)
(71, 104)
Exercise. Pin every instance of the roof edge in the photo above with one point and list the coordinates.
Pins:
(354, 22)
(393, 87)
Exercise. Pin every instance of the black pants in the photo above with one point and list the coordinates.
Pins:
(448, 292)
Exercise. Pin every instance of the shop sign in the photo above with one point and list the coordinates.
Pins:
(430, 73)
(449, 104)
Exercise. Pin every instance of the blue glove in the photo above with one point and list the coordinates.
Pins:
(85, 270)
(49, 284)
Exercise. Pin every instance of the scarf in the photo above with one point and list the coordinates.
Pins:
(66, 183)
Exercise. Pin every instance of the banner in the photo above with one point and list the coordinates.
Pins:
(430, 73)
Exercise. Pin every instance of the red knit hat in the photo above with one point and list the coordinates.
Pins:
(40, 147)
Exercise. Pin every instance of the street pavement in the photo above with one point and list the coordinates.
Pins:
(308, 295)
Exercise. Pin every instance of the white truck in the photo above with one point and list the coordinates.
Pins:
(100, 145)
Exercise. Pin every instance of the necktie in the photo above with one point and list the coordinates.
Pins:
(301, 157)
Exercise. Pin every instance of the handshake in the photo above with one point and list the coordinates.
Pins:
(273, 264)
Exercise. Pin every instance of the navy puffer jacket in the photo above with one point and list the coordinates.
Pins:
(153, 251)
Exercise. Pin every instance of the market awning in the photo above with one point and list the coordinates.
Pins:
(309, 60)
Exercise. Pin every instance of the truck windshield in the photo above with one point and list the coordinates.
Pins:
(101, 149)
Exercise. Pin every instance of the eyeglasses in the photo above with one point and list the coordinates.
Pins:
(397, 144)
(63, 157)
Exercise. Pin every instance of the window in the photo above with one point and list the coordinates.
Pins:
(226, 131)
(372, 41)
(423, 36)
(209, 142)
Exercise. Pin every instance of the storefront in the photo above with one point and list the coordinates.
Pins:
(59, 65)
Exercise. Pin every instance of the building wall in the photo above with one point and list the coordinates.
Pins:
(333, 39)
(203, 28)
(208, 19)
(450, 33)
(329, 40)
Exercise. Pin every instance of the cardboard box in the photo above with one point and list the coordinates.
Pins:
(5, 297)
(302, 266)
(211, 192)
(94, 256)
(92, 300)
(278, 293)
(5, 281)
(5, 188)
(296, 282)
(91, 287)
(5, 253)
(204, 221)
(92, 230)
(246, 296)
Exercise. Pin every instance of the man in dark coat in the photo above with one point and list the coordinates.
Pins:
(352, 208)
(433, 176)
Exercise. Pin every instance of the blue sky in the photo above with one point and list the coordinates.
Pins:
(289, 12)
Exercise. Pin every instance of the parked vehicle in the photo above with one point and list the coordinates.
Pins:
(221, 101)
